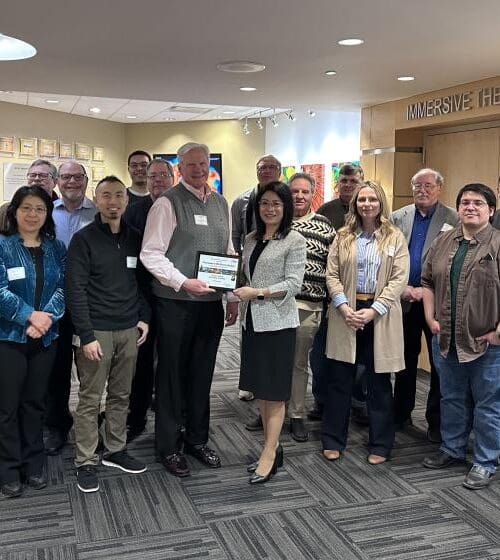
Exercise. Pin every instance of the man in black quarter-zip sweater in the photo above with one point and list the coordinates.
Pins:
(110, 315)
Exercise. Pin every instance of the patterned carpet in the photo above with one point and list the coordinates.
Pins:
(311, 509)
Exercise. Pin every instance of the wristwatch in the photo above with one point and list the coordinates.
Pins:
(260, 294)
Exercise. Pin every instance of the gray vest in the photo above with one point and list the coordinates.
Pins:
(190, 237)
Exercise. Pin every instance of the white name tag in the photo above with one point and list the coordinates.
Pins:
(131, 262)
(200, 220)
(446, 227)
(391, 250)
(16, 273)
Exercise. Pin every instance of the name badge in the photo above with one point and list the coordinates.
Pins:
(446, 227)
(200, 220)
(131, 262)
(16, 273)
(391, 250)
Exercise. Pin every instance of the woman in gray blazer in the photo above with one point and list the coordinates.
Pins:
(274, 259)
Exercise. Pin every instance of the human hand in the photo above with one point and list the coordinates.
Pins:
(417, 294)
(93, 351)
(491, 337)
(434, 327)
(196, 287)
(143, 332)
(33, 332)
(41, 320)
(408, 294)
(231, 313)
(350, 317)
(365, 316)
(246, 293)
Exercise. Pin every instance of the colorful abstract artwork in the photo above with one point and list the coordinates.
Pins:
(214, 174)
(317, 170)
(286, 173)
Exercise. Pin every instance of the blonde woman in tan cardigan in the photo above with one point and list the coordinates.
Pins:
(367, 270)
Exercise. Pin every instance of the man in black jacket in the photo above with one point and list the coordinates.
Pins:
(103, 290)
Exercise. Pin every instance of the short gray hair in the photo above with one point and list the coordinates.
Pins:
(160, 160)
(304, 176)
(185, 148)
(84, 171)
(437, 176)
(49, 164)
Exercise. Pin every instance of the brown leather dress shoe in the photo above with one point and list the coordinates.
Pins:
(176, 464)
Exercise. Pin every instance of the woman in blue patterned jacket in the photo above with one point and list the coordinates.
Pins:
(31, 303)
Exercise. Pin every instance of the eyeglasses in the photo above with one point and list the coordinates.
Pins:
(274, 205)
(475, 203)
(268, 167)
(162, 175)
(76, 176)
(39, 210)
(423, 186)
(43, 176)
(138, 165)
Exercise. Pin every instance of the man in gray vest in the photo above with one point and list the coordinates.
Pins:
(188, 218)
(420, 223)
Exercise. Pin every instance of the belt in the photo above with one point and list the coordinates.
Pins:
(364, 297)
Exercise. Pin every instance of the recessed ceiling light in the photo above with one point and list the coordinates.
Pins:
(350, 42)
(247, 88)
(130, 116)
(330, 73)
(406, 78)
(228, 112)
(241, 66)
(15, 49)
(95, 110)
(52, 101)
(3, 91)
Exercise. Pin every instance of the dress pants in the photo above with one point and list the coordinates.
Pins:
(189, 333)
(406, 381)
(58, 417)
(116, 368)
(24, 377)
(141, 395)
(320, 364)
(379, 400)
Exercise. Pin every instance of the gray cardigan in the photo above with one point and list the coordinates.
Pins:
(281, 269)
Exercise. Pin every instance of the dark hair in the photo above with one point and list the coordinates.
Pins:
(48, 229)
(485, 191)
(109, 179)
(282, 190)
(138, 153)
(352, 169)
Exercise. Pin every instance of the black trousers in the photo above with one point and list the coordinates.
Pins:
(141, 395)
(406, 381)
(23, 384)
(320, 364)
(188, 338)
(58, 417)
(337, 407)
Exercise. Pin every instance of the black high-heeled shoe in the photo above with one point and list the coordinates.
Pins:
(278, 462)
(252, 467)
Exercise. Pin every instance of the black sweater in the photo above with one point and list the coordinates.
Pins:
(105, 280)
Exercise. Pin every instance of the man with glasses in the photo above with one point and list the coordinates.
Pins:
(160, 178)
(72, 212)
(42, 173)
(242, 210)
(137, 164)
(420, 223)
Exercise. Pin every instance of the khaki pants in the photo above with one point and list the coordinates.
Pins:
(309, 324)
(117, 368)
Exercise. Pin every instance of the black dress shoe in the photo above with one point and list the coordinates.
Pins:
(440, 460)
(298, 430)
(315, 414)
(37, 481)
(176, 464)
(257, 478)
(255, 425)
(478, 477)
(12, 489)
(55, 442)
(252, 467)
(204, 454)
(434, 435)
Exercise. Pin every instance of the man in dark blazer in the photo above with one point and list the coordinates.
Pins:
(420, 223)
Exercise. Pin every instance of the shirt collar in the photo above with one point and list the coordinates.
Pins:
(304, 218)
(429, 214)
(86, 203)
(202, 194)
(480, 237)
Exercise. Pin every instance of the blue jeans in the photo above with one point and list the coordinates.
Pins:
(470, 400)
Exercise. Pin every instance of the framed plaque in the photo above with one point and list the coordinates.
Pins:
(27, 147)
(7, 144)
(82, 151)
(219, 271)
(48, 148)
(97, 153)
(66, 150)
(98, 172)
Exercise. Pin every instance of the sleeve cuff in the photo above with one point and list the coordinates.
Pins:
(339, 299)
(177, 280)
(380, 308)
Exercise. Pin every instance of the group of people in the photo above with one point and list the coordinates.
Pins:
(110, 284)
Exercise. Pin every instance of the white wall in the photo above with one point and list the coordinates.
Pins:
(327, 138)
